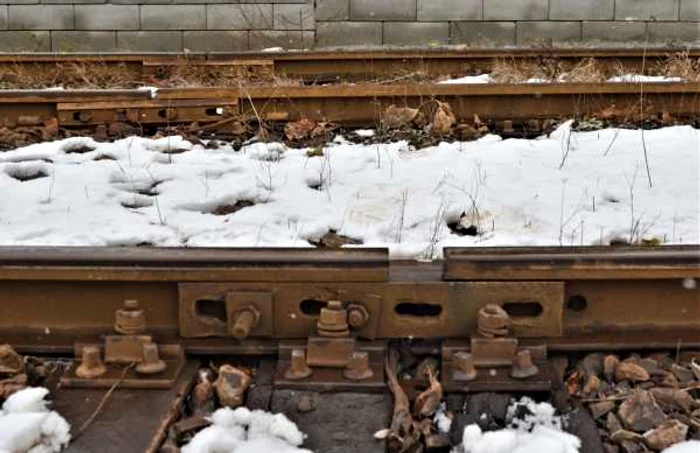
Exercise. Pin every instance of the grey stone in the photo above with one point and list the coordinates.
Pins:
(352, 418)
(488, 410)
(83, 41)
(106, 17)
(520, 10)
(646, 10)
(332, 9)
(72, 2)
(293, 17)
(416, 33)
(28, 41)
(173, 17)
(690, 10)
(143, 2)
(451, 10)
(19, 2)
(670, 31)
(150, 41)
(280, 38)
(333, 34)
(239, 17)
(383, 10)
(259, 394)
(482, 33)
(215, 41)
(581, 424)
(614, 31)
(640, 413)
(581, 10)
(3, 17)
(548, 32)
(41, 17)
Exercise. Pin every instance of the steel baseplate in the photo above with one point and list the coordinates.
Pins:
(172, 354)
(493, 373)
(332, 378)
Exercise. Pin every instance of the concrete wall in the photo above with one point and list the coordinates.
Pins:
(237, 25)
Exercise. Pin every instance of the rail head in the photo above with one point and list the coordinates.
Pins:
(572, 263)
(192, 264)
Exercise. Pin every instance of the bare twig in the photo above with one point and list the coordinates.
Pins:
(104, 400)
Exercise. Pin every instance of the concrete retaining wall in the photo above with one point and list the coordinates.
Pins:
(237, 25)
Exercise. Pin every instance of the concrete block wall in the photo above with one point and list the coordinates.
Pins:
(238, 25)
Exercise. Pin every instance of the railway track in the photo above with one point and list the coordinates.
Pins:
(329, 309)
(525, 108)
(285, 87)
(571, 298)
(485, 311)
(333, 66)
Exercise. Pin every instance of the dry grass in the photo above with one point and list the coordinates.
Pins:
(680, 65)
(586, 70)
(94, 74)
(103, 74)
(187, 72)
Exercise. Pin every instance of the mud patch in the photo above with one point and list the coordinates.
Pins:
(226, 209)
(333, 240)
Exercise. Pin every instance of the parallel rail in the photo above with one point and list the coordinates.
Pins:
(575, 298)
(349, 104)
(323, 66)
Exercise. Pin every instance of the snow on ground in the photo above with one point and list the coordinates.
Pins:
(245, 431)
(690, 446)
(626, 78)
(568, 188)
(26, 425)
(537, 432)
(637, 78)
(483, 78)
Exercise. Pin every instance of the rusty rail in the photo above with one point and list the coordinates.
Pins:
(559, 296)
(349, 104)
(334, 65)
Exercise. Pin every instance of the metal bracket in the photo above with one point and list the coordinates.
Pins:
(131, 357)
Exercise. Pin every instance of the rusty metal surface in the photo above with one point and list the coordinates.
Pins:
(327, 65)
(130, 421)
(191, 264)
(566, 263)
(570, 298)
(355, 104)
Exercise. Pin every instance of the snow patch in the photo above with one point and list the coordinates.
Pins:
(483, 78)
(638, 78)
(26, 425)
(538, 430)
(385, 195)
(690, 446)
(245, 431)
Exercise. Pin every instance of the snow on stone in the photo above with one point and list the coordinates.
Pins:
(571, 188)
(441, 420)
(364, 132)
(26, 425)
(539, 431)
(690, 446)
(245, 431)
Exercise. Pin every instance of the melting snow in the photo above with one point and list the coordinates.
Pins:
(538, 432)
(26, 425)
(245, 431)
(638, 78)
(690, 446)
(483, 78)
(570, 188)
